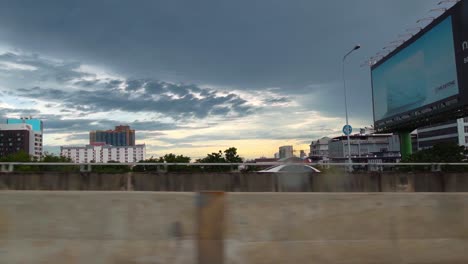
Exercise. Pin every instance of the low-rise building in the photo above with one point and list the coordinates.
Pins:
(365, 148)
(100, 153)
(454, 131)
(319, 149)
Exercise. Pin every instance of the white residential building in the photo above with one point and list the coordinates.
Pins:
(104, 153)
(455, 131)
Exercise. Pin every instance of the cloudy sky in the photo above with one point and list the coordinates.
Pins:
(193, 77)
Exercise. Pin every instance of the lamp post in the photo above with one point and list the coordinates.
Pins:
(346, 99)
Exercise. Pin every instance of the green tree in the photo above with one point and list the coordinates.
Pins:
(110, 168)
(167, 158)
(439, 153)
(141, 168)
(50, 157)
(172, 158)
(20, 156)
(214, 157)
(230, 156)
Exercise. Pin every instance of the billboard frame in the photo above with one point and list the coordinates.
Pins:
(453, 107)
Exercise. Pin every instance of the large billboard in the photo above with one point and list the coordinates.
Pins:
(421, 82)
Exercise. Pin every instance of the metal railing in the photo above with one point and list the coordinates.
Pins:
(435, 166)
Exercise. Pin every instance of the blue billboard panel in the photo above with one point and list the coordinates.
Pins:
(422, 73)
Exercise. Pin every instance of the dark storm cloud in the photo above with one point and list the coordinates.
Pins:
(84, 136)
(16, 113)
(109, 100)
(277, 100)
(133, 85)
(56, 124)
(113, 83)
(244, 44)
(44, 69)
(101, 95)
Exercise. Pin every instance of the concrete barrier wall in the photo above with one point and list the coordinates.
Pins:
(150, 227)
(93, 227)
(239, 182)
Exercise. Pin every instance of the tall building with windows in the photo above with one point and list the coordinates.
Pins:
(99, 153)
(286, 152)
(454, 131)
(120, 136)
(37, 129)
(15, 138)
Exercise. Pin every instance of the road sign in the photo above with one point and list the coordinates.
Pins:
(347, 129)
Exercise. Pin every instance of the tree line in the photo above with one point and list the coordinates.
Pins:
(227, 156)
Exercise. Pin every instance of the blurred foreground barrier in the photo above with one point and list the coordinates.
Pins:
(149, 227)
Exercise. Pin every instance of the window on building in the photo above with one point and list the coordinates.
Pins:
(466, 139)
(465, 119)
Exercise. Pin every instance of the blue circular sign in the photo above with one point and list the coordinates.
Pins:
(347, 129)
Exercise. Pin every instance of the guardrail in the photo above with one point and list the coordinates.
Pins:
(9, 166)
(233, 164)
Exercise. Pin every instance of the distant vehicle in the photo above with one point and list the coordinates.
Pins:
(291, 168)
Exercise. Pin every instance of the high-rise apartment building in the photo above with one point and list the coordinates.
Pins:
(120, 136)
(104, 153)
(37, 129)
(15, 138)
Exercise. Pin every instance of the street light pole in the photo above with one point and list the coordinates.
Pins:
(346, 99)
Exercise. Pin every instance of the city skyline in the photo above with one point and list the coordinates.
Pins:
(253, 80)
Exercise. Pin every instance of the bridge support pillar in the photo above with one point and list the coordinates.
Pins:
(406, 147)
